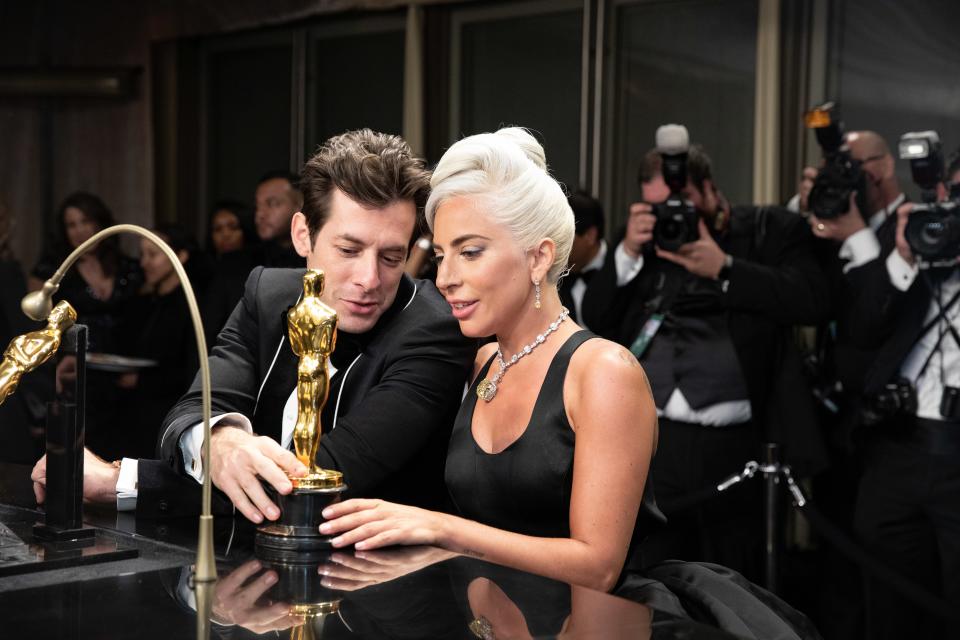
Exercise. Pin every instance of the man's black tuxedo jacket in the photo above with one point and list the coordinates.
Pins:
(774, 282)
(391, 405)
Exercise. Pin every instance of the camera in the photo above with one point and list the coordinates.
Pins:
(933, 228)
(676, 217)
(841, 174)
(897, 398)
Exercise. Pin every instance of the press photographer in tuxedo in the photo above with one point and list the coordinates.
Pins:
(908, 505)
(397, 373)
(704, 300)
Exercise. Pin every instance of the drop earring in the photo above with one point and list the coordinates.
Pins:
(536, 292)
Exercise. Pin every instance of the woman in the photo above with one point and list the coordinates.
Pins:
(229, 229)
(102, 281)
(548, 466)
(158, 328)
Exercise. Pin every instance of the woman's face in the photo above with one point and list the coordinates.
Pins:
(156, 267)
(483, 273)
(79, 226)
(225, 231)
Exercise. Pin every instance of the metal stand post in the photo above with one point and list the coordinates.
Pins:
(771, 508)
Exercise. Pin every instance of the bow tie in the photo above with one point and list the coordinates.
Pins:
(586, 276)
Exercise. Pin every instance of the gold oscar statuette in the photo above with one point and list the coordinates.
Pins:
(27, 352)
(313, 335)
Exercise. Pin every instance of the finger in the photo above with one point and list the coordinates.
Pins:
(704, 231)
(809, 173)
(359, 534)
(255, 590)
(385, 559)
(39, 470)
(346, 573)
(283, 457)
(241, 502)
(349, 506)
(345, 585)
(269, 471)
(254, 490)
(382, 539)
(673, 257)
(357, 565)
(240, 575)
(39, 492)
(640, 207)
(348, 522)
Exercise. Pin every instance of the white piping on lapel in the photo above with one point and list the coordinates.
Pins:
(343, 383)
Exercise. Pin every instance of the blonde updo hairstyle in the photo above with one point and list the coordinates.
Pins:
(506, 173)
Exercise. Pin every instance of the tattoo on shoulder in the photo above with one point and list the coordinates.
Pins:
(472, 552)
(628, 357)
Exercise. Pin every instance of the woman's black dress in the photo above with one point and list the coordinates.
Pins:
(526, 489)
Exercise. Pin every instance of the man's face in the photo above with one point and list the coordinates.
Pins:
(705, 201)
(362, 253)
(276, 204)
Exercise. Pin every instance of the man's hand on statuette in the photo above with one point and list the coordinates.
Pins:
(239, 459)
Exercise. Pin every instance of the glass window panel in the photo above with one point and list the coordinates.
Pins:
(898, 70)
(356, 81)
(248, 118)
(526, 71)
(693, 63)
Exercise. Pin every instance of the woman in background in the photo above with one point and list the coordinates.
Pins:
(102, 281)
(157, 327)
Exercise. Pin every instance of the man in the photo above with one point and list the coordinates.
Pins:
(717, 309)
(908, 504)
(587, 254)
(397, 372)
(278, 198)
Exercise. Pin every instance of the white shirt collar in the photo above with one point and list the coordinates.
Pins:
(877, 219)
(598, 259)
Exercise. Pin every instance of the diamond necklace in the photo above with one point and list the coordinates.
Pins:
(487, 388)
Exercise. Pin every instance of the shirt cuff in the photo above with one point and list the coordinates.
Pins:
(902, 273)
(191, 442)
(859, 248)
(627, 266)
(127, 485)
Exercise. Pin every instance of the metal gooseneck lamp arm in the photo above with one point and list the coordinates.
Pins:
(37, 305)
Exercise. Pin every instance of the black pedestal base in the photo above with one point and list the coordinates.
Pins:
(296, 536)
(64, 537)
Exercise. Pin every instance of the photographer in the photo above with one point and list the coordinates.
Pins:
(908, 505)
(707, 320)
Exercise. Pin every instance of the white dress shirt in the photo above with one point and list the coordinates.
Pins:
(579, 287)
(862, 247)
(929, 386)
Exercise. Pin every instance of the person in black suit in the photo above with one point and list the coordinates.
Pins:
(587, 255)
(400, 362)
(908, 504)
(719, 363)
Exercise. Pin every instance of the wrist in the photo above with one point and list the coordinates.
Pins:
(724, 272)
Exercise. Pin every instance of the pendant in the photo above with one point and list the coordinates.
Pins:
(486, 390)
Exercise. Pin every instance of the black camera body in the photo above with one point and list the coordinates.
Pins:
(841, 174)
(933, 228)
(897, 398)
(676, 217)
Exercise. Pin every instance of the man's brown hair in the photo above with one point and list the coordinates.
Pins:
(699, 166)
(374, 169)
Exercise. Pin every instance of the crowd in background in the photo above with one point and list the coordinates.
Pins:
(713, 321)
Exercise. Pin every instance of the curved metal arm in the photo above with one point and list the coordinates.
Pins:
(37, 305)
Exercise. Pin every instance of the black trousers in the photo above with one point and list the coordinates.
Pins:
(908, 515)
(727, 528)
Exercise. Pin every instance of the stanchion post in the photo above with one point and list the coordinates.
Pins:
(771, 504)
